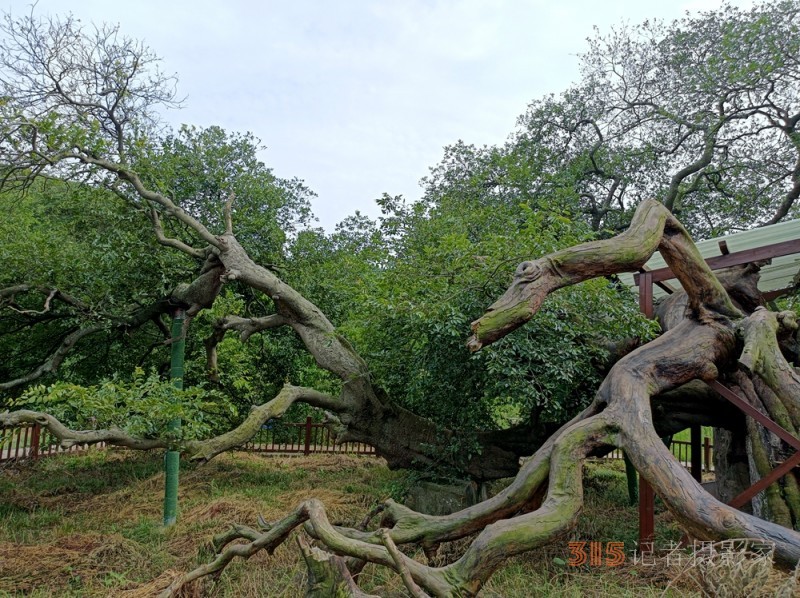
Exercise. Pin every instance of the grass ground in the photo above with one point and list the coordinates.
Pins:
(89, 525)
(686, 435)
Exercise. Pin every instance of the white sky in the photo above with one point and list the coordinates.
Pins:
(358, 97)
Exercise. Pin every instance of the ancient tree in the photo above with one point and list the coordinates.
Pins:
(716, 337)
(78, 107)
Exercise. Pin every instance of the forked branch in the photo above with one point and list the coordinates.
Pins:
(158, 229)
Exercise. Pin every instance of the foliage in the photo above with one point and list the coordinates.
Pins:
(85, 242)
(89, 242)
(252, 372)
(406, 287)
(201, 168)
(701, 113)
(142, 406)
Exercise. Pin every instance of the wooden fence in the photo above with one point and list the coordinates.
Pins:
(683, 453)
(33, 441)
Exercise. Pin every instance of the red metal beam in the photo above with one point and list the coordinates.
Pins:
(767, 480)
(755, 414)
(770, 295)
(733, 259)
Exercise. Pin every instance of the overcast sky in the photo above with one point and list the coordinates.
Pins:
(358, 97)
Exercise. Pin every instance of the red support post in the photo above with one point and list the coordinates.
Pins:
(646, 294)
(646, 516)
(647, 522)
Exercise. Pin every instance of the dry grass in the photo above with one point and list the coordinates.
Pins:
(90, 526)
(740, 568)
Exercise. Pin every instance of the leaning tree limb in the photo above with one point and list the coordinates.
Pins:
(68, 437)
(205, 450)
(652, 228)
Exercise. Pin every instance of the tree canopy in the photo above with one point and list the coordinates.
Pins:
(700, 113)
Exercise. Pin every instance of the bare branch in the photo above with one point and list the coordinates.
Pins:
(203, 450)
(402, 568)
(250, 326)
(267, 541)
(174, 243)
(195, 297)
(8, 296)
(68, 437)
(54, 360)
(789, 199)
(127, 175)
(33, 312)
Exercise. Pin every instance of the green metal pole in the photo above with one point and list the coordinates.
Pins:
(172, 457)
(633, 481)
(632, 476)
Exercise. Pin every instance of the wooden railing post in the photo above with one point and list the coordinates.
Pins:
(307, 450)
(696, 444)
(707, 453)
(35, 440)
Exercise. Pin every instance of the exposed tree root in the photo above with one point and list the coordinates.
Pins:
(494, 544)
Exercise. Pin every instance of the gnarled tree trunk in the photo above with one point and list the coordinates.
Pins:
(715, 340)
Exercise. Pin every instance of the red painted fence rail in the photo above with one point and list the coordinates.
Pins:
(33, 442)
(309, 437)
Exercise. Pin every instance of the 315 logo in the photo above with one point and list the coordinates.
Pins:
(610, 554)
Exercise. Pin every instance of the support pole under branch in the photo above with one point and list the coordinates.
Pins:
(172, 457)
